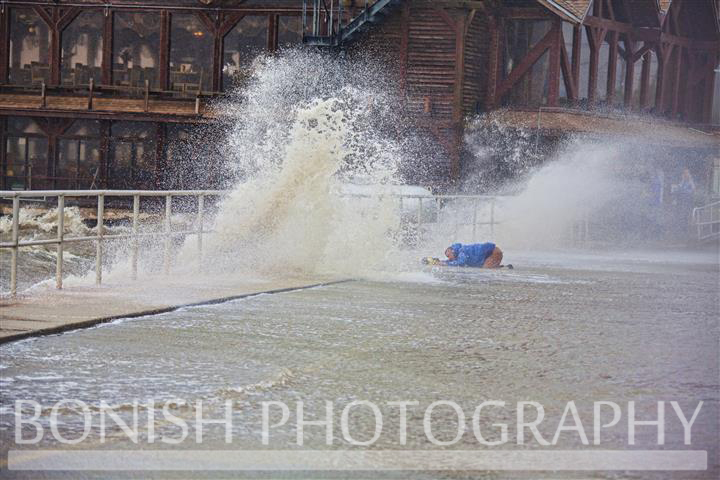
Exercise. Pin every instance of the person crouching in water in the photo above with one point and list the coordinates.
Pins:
(485, 255)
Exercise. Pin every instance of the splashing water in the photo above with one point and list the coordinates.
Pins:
(305, 126)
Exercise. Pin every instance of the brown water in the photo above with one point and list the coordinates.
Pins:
(582, 327)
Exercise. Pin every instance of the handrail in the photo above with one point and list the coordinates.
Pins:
(99, 237)
(702, 224)
(166, 232)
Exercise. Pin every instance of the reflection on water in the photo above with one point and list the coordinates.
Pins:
(545, 334)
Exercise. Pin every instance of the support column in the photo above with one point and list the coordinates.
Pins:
(5, 42)
(164, 54)
(676, 87)
(629, 71)
(160, 157)
(645, 80)
(493, 62)
(612, 67)
(576, 55)
(107, 56)
(554, 67)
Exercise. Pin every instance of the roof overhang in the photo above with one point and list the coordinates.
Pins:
(560, 11)
(559, 121)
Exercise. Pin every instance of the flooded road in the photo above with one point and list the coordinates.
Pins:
(582, 328)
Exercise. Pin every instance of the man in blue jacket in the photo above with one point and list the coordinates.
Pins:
(485, 255)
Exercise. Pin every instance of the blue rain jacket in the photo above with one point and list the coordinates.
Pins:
(473, 255)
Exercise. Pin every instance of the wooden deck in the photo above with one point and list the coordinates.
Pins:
(29, 103)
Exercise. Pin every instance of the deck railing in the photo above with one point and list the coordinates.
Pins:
(416, 210)
(100, 236)
(707, 221)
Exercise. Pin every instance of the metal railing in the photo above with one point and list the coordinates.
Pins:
(100, 237)
(707, 221)
(418, 210)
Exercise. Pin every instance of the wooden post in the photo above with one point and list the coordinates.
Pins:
(596, 37)
(645, 80)
(554, 67)
(104, 152)
(5, 42)
(612, 67)
(676, 87)
(576, 55)
(629, 70)
(107, 57)
(404, 40)
(663, 53)
(493, 63)
(164, 54)
(160, 158)
(709, 95)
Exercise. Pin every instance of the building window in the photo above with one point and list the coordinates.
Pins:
(242, 44)
(131, 164)
(191, 53)
(82, 44)
(29, 48)
(289, 31)
(79, 156)
(136, 45)
(26, 161)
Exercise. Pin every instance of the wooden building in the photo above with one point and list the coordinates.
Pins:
(97, 93)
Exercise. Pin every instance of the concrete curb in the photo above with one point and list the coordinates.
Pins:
(97, 321)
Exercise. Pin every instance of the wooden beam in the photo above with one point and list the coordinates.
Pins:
(663, 53)
(676, 90)
(645, 80)
(528, 61)
(527, 13)
(446, 17)
(647, 46)
(709, 95)
(568, 74)
(612, 67)
(272, 33)
(609, 8)
(576, 55)
(107, 57)
(556, 43)
(609, 24)
(164, 47)
(459, 84)
(161, 164)
(404, 40)
(491, 97)
(629, 71)
(596, 36)
(4, 52)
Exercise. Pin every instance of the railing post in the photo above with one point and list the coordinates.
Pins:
(201, 207)
(15, 240)
(492, 218)
(136, 213)
(99, 250)
(60, 234)
(419, 219)
(474, 221)
(166, 255)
